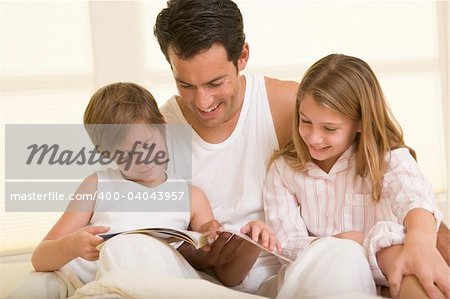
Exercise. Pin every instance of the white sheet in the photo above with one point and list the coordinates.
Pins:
(133, 284)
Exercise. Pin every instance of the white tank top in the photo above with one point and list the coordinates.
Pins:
(232, 172)
(111, 181)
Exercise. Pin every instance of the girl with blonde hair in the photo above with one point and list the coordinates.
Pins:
(347, 173)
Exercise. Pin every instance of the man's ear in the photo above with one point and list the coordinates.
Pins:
(243, 58)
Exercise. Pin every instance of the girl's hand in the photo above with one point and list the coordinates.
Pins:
(84, 241)
(262, 234)
(355, 236)
(421, 258)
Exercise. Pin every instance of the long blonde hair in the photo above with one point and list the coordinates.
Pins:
(348, 85)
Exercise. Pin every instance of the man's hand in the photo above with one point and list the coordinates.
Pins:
(221, 251)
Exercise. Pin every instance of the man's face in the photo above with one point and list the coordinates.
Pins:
(208, 85)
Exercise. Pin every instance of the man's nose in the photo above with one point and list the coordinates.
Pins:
(204, 99)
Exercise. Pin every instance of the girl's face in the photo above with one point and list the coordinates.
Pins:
(144, 151)
(326, 132)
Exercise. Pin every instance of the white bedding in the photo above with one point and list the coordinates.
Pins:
(127, 284)
(115, 284)
(132, 284)
(12, 270)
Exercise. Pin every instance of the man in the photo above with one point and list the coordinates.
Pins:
(238, 122)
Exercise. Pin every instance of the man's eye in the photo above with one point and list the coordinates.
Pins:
(305, 121)
(330, 129)
(215, 84)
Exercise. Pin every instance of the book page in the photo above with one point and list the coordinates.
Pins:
(249, 239)
(168, 235)
(198, 240)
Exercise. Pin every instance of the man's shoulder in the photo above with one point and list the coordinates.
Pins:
(281, 90)
(282, 96)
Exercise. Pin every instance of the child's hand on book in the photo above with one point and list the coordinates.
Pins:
(84, 241)
(221, 250)
(211, 230)
(261, 233)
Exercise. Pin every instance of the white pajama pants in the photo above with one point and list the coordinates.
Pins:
(329, 268)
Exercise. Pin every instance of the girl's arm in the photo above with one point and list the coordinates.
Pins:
(283, 211)
(412, 201)
(70, 238)
(420, 256)
(410, 286)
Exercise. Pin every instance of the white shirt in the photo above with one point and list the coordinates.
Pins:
(232, 173)
(134, 208)
(303, 205)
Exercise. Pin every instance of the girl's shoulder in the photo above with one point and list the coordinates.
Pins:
(285, 167)
(399, 155)
(400, 160)
(279, 162)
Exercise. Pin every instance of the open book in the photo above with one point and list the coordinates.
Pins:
(196, 239)
(168, 235)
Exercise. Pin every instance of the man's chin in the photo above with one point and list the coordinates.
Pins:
(211, 122)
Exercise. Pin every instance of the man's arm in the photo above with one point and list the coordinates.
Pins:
(221, 252)
(282, 97)
(231, 256)
(233, 272)
(231, 259)
(443, 242)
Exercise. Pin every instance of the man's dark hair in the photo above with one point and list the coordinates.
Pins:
(193, 26)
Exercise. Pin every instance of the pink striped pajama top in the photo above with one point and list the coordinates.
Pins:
(303, 205)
